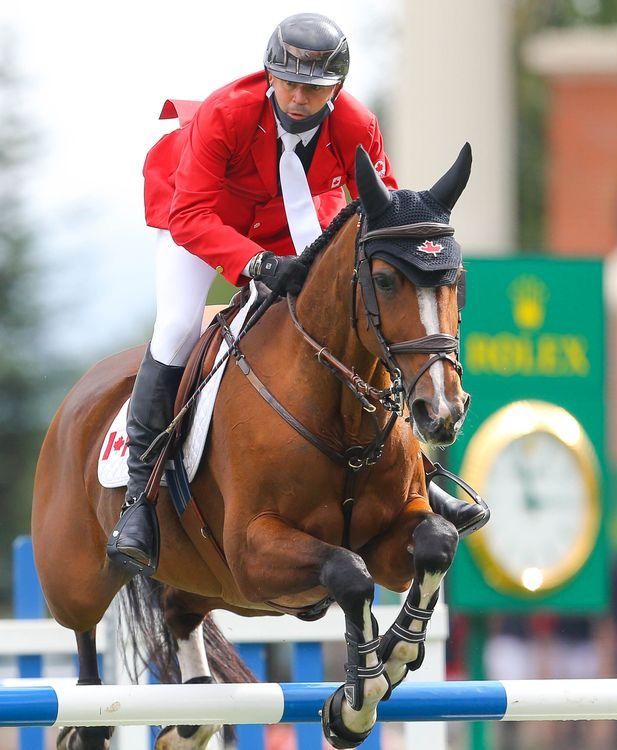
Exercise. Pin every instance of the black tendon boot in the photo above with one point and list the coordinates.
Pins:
(400, 630)
(467, 517)
(134, 542)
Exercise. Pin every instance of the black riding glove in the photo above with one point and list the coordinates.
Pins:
(281, 273)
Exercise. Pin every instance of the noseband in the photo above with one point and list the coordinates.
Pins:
(440, 345)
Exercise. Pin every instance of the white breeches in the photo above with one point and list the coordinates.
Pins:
(182, 284)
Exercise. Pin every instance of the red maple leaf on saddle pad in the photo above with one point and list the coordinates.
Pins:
(430, 247)
(115, 442)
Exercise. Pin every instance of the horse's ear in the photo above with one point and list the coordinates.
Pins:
(448, 188)
(374, 195)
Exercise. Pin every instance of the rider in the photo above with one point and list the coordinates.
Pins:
(222, 205)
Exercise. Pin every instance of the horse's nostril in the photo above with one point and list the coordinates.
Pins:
(436, 428)
(419, 411)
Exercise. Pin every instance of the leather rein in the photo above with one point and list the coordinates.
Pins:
(358, 457)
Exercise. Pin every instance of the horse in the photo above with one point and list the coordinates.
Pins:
(309, 503)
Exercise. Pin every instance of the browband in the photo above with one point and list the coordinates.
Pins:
(421, 229)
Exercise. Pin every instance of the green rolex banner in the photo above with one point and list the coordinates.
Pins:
(532, 344)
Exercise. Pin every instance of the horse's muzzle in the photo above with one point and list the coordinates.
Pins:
(439, 423)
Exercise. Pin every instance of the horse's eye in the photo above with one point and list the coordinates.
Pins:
(385, 282)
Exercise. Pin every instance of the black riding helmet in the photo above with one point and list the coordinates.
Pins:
(308, 48)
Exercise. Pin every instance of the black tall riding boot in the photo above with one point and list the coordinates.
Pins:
(467, 517)
(134, 542)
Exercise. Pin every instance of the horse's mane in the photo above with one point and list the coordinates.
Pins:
(312, 251)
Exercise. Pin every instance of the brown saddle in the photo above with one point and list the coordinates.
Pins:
(201, 361)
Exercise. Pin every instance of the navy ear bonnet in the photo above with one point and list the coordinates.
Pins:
(425, 262)
(432, 257)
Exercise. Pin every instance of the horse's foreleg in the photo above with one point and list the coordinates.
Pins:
(280, 562)
(350, 714)
(85, 738)
(433, 544)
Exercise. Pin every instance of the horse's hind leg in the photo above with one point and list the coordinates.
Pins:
(186, 625)
(433, 544)
(86, 738)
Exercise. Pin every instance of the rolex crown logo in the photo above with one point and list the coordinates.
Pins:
(529, 296)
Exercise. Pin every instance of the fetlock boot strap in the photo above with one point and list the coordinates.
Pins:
(416, 613)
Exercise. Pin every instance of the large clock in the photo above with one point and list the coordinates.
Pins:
(536, 468)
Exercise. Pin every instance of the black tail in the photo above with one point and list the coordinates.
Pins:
(153, 646)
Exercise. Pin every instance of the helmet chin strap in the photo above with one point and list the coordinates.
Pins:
(299, 126)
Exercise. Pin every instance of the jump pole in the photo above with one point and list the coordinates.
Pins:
(271, 703)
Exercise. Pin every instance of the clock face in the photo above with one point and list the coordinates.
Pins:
(533, 464)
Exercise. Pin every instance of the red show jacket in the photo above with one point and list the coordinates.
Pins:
(214, 182)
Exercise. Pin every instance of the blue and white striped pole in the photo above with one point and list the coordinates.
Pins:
(271, 703)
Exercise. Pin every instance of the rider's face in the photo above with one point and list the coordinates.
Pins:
(299, 100)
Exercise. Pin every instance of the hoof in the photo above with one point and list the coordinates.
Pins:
(185, 737)
(335, 732)
(84, 738)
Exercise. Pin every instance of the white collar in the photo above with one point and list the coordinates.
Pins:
(305, 137)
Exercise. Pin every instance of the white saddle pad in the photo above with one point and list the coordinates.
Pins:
(112, 468)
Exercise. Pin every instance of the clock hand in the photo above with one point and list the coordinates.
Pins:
(524, 478)
(530, 498)
(532, 501)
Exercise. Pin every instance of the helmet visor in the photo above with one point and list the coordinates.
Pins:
(315, 67)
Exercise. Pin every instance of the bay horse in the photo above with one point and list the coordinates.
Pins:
(311, 503)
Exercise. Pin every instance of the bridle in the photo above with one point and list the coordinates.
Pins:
(441, 345)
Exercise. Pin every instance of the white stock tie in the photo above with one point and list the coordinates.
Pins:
(299, 207)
